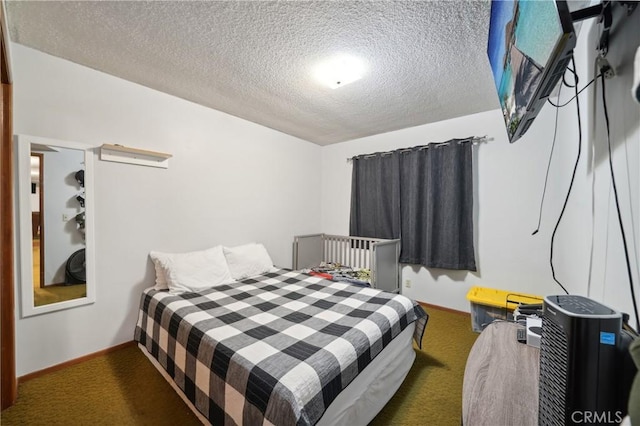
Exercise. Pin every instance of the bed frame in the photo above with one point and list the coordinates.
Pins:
(378, 255)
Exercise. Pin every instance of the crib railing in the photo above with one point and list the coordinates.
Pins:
(378, 255)
(350, 251)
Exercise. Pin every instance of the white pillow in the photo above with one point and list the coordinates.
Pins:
(158, 259)
(193, 271)
(248, 260)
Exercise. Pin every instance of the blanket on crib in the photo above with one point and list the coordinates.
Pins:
(338, 272)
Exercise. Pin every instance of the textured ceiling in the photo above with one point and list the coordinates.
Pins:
(426, 60)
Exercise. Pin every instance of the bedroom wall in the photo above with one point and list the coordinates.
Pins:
(608, 278)
(509, 181)
(229, 182)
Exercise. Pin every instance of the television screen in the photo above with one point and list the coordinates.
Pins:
(530, 45)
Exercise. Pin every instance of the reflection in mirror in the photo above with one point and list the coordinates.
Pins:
(55, 193)
(36, 221)
(58, 231)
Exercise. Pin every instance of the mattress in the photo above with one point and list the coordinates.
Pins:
(274, 349)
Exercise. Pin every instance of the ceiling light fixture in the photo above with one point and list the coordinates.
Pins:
(339, 71)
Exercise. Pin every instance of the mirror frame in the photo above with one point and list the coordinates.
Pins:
(23, 144)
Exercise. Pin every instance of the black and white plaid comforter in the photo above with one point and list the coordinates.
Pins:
(276, 349)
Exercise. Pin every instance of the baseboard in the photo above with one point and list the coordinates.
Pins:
(75, 361)
(442, 308)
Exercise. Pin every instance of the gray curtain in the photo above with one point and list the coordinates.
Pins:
(433, 205)
(375, 196)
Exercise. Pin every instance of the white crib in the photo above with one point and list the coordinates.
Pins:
(376, 254)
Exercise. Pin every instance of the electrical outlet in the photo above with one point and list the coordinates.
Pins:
(605, 68)
(407, 283)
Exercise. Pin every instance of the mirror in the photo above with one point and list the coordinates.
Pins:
(55, 224)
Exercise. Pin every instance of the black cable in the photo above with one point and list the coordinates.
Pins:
(573, 176)
(555, 132)
(546, 177)
(615, 193)
(575, 78)
(569, 101)
(553, 144)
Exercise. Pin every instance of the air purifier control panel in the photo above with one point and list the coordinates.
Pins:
(578, 305)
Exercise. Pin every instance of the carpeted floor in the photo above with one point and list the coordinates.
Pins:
(52, 293)
(123, 388)
(58, 293)
(120, 388)
(432, 392)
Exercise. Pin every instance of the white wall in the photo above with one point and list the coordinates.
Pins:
(608, 279)
(229, 182)
(509, 180)
(61, 238)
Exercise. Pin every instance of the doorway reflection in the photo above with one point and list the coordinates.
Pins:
(58, 226)
(36, 219)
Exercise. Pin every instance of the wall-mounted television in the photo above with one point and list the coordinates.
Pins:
(530, 45)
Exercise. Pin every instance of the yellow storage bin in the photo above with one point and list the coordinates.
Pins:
(489, 304)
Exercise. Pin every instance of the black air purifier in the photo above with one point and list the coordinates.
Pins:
(584, 363)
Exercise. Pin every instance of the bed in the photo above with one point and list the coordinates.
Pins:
(324, 252)
(282, 348)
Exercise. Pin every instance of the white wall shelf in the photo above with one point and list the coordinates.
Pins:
(123, 154)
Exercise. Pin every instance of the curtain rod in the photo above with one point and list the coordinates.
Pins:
(475, 140)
